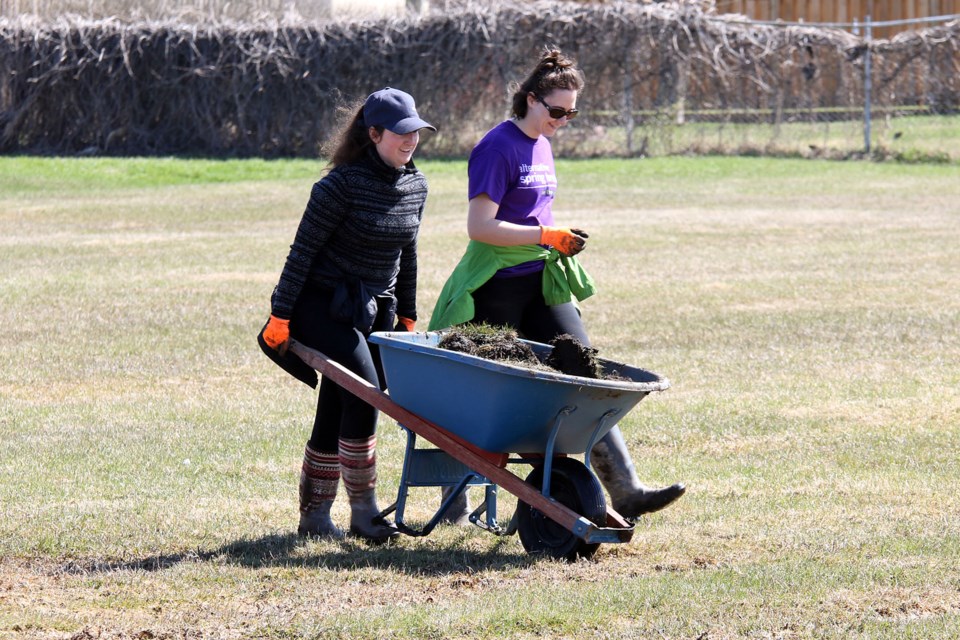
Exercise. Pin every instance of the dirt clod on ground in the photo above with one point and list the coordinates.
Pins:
(500, 344)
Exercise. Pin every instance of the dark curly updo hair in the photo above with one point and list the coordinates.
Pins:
(554, 71)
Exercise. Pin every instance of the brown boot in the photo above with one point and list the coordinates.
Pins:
(358, 467)
(319, 477)
(612, 463)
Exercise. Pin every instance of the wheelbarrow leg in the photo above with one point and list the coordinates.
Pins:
(488, 510)
(435, 468)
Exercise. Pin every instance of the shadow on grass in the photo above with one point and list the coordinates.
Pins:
(290, 550)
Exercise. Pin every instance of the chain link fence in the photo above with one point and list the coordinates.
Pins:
(806, 89)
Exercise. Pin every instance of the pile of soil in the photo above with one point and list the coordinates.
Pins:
(573, 358)
(500, 344)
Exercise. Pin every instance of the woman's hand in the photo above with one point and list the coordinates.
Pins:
(405, 324)
(569, 242)
(277, 334)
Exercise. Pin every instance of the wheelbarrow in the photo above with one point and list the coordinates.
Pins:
(481, 416)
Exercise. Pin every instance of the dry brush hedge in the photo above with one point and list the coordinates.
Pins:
(274, 89)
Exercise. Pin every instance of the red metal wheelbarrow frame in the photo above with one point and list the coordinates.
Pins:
(488, 464)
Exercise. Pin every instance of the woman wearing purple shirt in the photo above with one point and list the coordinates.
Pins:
(512, 183)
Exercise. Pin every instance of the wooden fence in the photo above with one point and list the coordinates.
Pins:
(842, 11)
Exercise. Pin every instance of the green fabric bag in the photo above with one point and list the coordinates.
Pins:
(564, 279)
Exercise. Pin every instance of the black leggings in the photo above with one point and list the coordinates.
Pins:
(518, 303)
(340, 414)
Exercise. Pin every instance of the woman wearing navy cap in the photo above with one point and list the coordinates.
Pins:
(352, 270)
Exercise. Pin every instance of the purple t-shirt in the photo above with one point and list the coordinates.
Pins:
(517, 173)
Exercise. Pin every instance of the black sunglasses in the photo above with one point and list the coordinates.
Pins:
(558, 112)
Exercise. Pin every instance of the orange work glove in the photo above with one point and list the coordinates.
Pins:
(277, 334)
(569, 242)
(405, 324)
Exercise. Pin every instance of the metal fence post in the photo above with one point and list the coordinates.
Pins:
(628, 104)
(867, 84)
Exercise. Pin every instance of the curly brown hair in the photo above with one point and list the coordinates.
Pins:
(354, 138)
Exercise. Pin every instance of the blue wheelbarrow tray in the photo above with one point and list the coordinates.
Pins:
(507, 408)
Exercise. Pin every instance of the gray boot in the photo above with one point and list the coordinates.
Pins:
(318, 524)
(614, 467)
(358, 467)
(319, 477)
(458, 512)
(365, 520)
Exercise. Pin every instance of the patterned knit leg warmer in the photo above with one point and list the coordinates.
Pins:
(319, 477)
(358, 466)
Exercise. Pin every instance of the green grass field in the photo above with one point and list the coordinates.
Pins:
(806, 312)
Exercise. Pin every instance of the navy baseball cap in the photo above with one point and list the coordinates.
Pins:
(394, 110)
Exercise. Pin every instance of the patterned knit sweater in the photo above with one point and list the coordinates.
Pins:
(361, 222)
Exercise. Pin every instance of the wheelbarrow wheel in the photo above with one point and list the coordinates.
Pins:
(575, 487)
